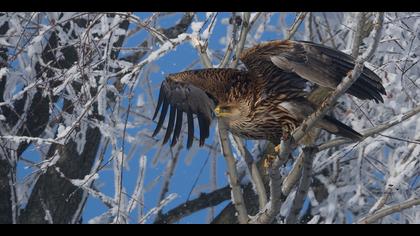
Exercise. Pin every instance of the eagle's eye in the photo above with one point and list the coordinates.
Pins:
(222, 110)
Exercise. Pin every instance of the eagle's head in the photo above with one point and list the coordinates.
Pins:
(231, 112)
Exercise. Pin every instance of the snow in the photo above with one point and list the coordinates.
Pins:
(87, 180)
(140, 101)
(196, 26)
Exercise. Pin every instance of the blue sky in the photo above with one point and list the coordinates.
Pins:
(185, 174)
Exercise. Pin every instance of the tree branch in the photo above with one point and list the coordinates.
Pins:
(302, 189)
(389, 210)
(272, 208)
(237, 197)
(253, 171)
(203, 201)
(298, 21)
(242, 39)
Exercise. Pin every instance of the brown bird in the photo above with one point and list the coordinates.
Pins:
(267, 99)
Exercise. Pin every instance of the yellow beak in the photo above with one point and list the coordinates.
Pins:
(217, 111)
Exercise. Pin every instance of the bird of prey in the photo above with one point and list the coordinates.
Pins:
(266, 99)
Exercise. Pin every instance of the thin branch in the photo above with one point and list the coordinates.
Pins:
(237, 197)
(357, 38)
(302, 189)
(253, 171)
(294, 175)
(242, 39)
(168, 175)
(389, 210)
(298, 21)
(231, 45)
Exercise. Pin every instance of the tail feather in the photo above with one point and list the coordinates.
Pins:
(335, 126)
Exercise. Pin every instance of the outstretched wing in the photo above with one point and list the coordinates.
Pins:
(180, 98)
(313, 62)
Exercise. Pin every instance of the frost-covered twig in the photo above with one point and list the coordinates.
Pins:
(357, 37)
(155, 210)
(19, 139)
(169, 172)
(389, 210)
(139, 189)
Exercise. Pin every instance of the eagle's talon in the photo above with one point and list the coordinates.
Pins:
(277, 148)
(268, 162)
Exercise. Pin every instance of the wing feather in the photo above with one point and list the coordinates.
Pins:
(178, 126)
(190, 121)
(183, 97)
(312, 62)
(171, 123)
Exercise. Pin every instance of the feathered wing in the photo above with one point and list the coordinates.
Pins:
(179, 98)
(313, 62)
(194, 93)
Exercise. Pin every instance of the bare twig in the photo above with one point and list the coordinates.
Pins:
(242, 39)
(237, 197)
(294, 175)
(298, 21)
(232, 44)
(302, 189)
(253, 171)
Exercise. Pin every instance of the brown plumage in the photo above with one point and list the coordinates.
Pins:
(268, 98)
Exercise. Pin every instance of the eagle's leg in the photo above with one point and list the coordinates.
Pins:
(271, 158)
(268, 162)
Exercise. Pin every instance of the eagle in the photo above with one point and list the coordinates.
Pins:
(268, 98)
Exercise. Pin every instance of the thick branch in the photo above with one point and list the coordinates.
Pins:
(203, 201)
(272, 208)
